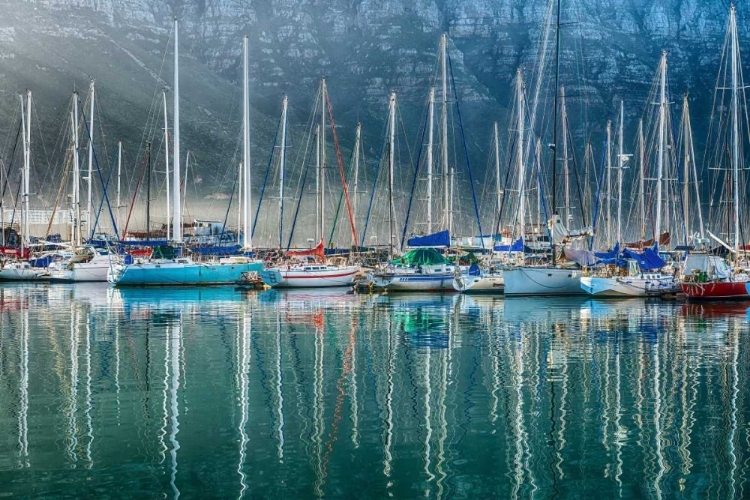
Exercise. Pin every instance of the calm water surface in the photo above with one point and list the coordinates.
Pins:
(228, 394)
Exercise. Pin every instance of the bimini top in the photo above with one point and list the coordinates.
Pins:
(421, 257)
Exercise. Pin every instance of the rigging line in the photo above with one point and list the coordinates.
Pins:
(341, 199)
(101, 180)
(505, 189)
(577, 177)
(414, 182)
(265, 178)
(135, 196)
(305, 170)
(466, 153)
(67, 162)
(597, 198)
(101, 202)
(375, 182)
(10, 166)
(341, 170)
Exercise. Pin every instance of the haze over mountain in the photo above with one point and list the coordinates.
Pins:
(610, 50)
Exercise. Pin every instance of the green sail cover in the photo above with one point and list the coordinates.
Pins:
(421, 257)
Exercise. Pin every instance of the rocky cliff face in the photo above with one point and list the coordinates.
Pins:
(610, 50)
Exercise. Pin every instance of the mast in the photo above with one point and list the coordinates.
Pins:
(554, 126)
(91, 162)
(239, 198)
(609, 182)
(430, 141)
(248, 243)
(282, 166)
(660, 159)
(119, 176)
(176, 199)
(166, 159)
(318, 231)
(322, 137)
(444, 129)
(566, 172)
(620, 164)
(26, 126)
(391, 145)
(148, 190)
(76, 174)
(641, 180)
(357, 148)
(735, 131)
(686, 167)
(498, 185)
(696, 180)
(519, 150)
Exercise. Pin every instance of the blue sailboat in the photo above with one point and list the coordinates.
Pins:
(167, 265)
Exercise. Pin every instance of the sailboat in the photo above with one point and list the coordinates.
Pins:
(167, 266)
(297, 270)
(643, 277)
(87, 262)
(550, 279)
(705, 276)
(423, 268)
(22, 270)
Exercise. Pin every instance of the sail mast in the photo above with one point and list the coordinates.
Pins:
(660, 159)
(430, 140)
(391, 158)
(323, 95)
(554, 126)
(498, 185)
(76, 175)
(735, 131)
(177, 195)
(444, 129)
(166, 160)
(608, 212)
(282, 166)
(357, 148)
(248, 243)
(91, 162)
(620, 165)
(696, 180)
(519, 151)
(26, 126)
(566, 171)
(641, 179)
(119, 178)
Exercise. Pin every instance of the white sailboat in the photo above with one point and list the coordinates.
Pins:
(303, 273)
(172, 268)
(638, 282)
(22, 270)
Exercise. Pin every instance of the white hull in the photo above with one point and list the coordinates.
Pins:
(491, 284)
(309, 276)
(23, 273)
(542, 281)
(95, 270)
(628, 286)
(414, 282)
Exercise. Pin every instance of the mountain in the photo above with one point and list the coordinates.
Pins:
(609, 51)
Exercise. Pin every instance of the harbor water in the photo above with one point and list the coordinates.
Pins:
(224, 393)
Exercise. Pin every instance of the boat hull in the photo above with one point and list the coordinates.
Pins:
(627, 286)
(547, 281)
(300, 278)
(480, 285)
(179, 273)
(716, 290)
(24, 274)
(394, 282)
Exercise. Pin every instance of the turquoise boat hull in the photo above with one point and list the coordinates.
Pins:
(181, 273)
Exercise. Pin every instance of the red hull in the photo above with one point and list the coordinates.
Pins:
(717, 290)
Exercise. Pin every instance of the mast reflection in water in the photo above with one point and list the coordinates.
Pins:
(221, 393)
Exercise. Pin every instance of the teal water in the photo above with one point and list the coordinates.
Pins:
(217, 393)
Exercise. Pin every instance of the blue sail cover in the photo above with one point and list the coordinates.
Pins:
(517, 246)
(612, 254)
(440, 239)
(647, 261)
